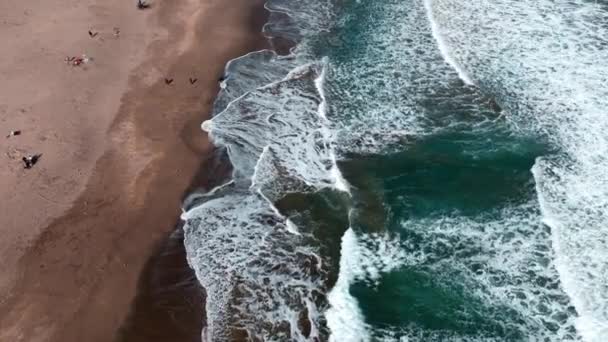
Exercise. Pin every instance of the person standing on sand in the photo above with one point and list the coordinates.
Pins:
(141, 4)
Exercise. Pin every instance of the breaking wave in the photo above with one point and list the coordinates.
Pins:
(474, 80)
(500, 264)
(545, 63)
(264, 275)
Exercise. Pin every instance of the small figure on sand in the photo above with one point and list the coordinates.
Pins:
(221, 81)
(193, 80)
(116, 32)
(168, 81)
(77, 61)
(142, 4)
(13, 133)
(30, 161)
(92, 34)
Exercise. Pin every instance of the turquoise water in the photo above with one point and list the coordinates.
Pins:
(458, 249)
(425, 170)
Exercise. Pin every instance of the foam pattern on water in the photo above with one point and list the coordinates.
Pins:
(344, 317)
(284, 119)
(259, 277)
(575, 206)
(263, 275)
(288, 19)
(298, 21)
(389, 81)
(401, 70)
(502, 260)
(249, 72)
(545, 61)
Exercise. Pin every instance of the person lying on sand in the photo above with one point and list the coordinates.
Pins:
(13, 133)
(77, 61)
(30, 161)
(141, 4)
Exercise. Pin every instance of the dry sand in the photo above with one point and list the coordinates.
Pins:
(120, 148)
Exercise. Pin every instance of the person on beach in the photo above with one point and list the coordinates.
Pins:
(13, 133)
(221, 81)
(141, 4)
(30, 161)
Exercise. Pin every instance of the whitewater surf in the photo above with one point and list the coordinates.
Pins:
(428, 170)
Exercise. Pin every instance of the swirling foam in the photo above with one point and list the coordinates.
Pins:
(389, 82)
(263, 276)
(546, 62)
(502, 259)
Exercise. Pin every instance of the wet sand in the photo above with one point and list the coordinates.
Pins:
(170, 302)
(120, 149)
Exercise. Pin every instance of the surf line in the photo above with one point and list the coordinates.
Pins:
(443, 46)
(339, 182)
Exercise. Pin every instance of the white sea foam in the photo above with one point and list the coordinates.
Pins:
(252, 268)
(249, 72)
(260, 272)
(287, 146)
(580, 240)
(299, 21)
(276, 138)
(277, 132)
(502, 259)
(443, 47)
(545, 62)
(339, 182)
(344, 317)
(194, 197)
(395, 81)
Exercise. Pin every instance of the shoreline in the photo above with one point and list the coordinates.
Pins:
(170, 298)
(88, 262)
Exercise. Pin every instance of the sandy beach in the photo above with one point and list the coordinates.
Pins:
(119, 146)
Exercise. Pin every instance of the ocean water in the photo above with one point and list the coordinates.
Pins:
(420, 170)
